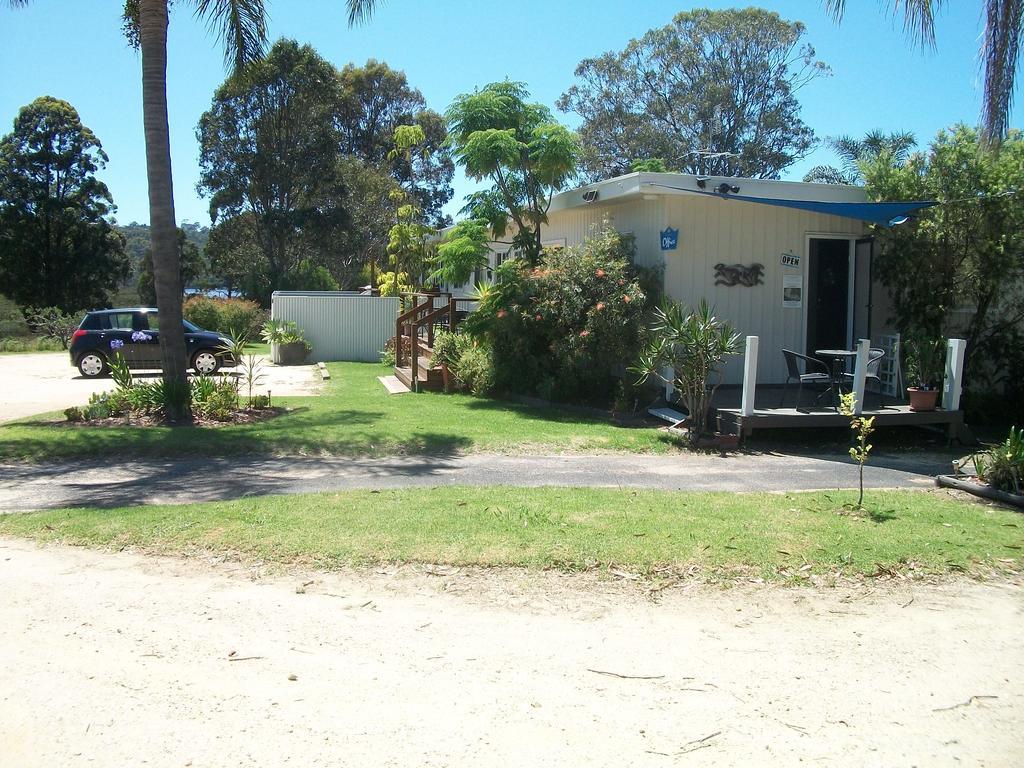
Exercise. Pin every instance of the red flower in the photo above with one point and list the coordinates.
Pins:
(537, 318)
(501, 313)
(600, 306)
(584, 334)
(600, 273)
(627, 298)
(622, 282)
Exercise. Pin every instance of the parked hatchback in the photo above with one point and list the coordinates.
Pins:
(135, 334)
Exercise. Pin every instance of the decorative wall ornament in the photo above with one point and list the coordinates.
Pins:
(738, 274)
(669, 239)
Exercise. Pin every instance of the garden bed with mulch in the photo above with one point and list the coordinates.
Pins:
(245, 416)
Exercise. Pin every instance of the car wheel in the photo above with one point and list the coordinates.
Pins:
(92, 365)
(205, 362)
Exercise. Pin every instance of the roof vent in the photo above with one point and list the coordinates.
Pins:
(590, 195)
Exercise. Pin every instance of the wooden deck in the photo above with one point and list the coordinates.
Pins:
(731, 421)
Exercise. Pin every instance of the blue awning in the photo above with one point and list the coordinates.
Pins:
(885, 214)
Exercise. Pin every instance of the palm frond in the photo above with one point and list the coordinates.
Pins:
(360, 11)
(918, 17)
(240, 25)
(999, 54)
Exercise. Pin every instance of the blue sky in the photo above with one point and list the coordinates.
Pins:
(74, 50)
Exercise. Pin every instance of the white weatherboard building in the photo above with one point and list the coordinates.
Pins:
(786, 261)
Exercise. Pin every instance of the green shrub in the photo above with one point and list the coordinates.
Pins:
(214, 398)
(147, 398)
(241, 317)
(74, 413)
(30, 344)
(1002, 466)
(563, 328)
(473, 365)
(446, 349)
(224, 315)
(202, 311)
(98, 406)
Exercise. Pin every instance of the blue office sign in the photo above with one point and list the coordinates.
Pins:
(669, 239)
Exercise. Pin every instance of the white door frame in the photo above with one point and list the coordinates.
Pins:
(851, 281)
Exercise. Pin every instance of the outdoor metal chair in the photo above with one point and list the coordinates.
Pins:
(875, 357)
(815, 372)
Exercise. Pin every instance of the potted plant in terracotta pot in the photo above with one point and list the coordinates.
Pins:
(288, 345)
(924, 373)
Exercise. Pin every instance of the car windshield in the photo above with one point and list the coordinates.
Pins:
(190, 327)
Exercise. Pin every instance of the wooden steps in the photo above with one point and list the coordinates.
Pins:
(429, 378)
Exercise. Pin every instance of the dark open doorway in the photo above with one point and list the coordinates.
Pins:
(828, 294)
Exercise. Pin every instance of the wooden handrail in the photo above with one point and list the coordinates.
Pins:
(413, 320)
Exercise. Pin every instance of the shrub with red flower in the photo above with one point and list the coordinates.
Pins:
(587, 333)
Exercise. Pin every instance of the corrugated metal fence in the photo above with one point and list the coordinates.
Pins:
(341, 325)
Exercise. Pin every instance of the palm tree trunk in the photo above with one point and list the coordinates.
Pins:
(163, 229)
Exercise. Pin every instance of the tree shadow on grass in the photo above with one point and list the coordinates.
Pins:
(881, 515)
(552, 413)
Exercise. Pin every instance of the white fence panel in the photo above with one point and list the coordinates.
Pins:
(340, 325)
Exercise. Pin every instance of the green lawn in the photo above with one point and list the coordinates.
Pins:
(771, 535)
(353, 417)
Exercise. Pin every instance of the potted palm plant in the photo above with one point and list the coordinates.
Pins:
(924, 373)
(288, 345)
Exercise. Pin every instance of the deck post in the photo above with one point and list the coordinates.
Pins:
(860, 371)
(749, 377)
(952, 384)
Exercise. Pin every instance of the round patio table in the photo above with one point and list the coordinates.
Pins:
(838, 358)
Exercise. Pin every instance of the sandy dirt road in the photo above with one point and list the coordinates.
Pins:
(38, 383)
(119, 659)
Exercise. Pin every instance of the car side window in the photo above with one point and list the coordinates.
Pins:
(120, 321)
(150, 321)
(93, 323)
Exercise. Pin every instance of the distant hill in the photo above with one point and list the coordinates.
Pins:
(137, 236)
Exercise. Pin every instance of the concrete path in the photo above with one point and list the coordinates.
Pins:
(46, 381)
(113, 659)
(37, 486)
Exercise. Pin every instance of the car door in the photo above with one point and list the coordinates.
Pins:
(118, 336)
(147, 340)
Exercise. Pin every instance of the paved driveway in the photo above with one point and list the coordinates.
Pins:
(181, 481)
(37, 383)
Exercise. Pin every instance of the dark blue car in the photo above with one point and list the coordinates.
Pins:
(134, 333)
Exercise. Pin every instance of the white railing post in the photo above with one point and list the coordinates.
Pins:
(860, 371)
(749, 377)
(669, 374)
(952, 384)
